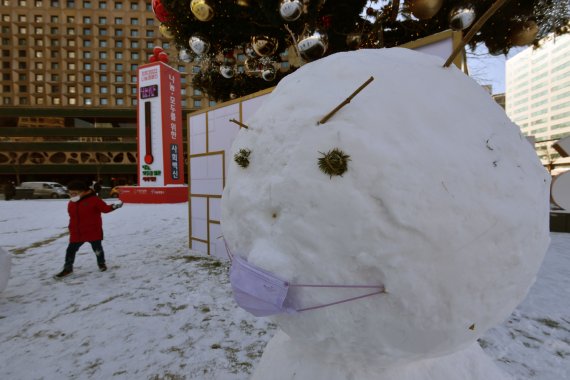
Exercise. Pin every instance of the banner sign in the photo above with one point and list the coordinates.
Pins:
(159, 126)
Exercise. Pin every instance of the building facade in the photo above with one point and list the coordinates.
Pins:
(538, 96)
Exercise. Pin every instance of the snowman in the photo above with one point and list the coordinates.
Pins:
(5, 265)
(385, 238)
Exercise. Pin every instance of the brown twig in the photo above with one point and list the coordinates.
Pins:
(241, 125)
(474, 29)
(345, 102)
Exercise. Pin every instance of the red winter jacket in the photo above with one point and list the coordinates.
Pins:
(85, 222)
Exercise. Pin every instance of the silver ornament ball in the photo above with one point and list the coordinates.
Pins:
(185, 56)
(268, 73)
(227, 71)
(199, 44)
(290, 10)
(264, 45)
(313, 45)
(461, 17)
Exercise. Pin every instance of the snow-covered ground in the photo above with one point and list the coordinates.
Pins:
(165, 312)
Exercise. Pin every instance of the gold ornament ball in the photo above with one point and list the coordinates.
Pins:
(202, 9)
(165, 31)
(524, 33)
(264, 45)
(424, 9)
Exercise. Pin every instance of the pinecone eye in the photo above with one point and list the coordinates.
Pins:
(242, 157)
(334, 162)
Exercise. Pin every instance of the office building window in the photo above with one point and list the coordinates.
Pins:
(119, 90)
(23, 88)
(103, 55)
(71, 31)
(54, 19)
(87, 78)
(72, 101)
(103, 32)
(135, 55)
(134, 79)
(70, 54)
(119, 32)
(87, 55)
(71, 89)
(103, 20)
(134, 21)
(86, 43)
(71, 77)
(39, 54)
(39, 30)
(87, 101)
(119, 78)
(104, 89)
(149, 21)
(118, 20)
(86, 4)
(103, 43)
(118, 5)
(134, 44)
(71, 43)
(102, 5)
(87, 89)
(134, 67)
(103, 66)
(54, 3)
(71, 3)
(87, 66)
(86, 31)
(71, 66)
(118, 67)
(134, 6)
(39, 100)
(40, 77)
(134, 33)
(22, 18)
(54, 31)
(87, 20)
(150, 33)
(103, 78)
(38, 18)
(21, 29)
(120, 101)
(119, 44)
(118, 55)
(197, 103)
(104, 101)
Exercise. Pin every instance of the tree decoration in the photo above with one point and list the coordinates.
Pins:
(271, 25)
(334, 162)
(165, 31)
(313, 45)
(290, 10)
(202, 9)
(242, 157)
(264, 45)
(227, 71)
(461, 17)
(268, 73)
(424, 9)
(185, 56)
(199, 44)
(160, 11)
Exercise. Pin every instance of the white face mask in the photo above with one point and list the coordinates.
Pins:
(75, 198)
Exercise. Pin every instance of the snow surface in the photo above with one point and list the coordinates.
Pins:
(5, 266)
(162, 312)
(444, 202)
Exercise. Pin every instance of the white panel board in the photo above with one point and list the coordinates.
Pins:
(217, 246)
(200, 247)
(442, 48)
(249, 107)
(197, 134)
(199, 222)
(206, 175)
(215, 209)
(221, 131)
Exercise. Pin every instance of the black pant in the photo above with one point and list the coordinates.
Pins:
(72, 249)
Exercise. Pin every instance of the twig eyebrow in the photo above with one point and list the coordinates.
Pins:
(345, 102)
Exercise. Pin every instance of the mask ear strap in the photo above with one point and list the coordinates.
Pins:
(228, 251)
(381, 290)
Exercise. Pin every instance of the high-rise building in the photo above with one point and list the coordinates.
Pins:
(538, 96)
(67, 66)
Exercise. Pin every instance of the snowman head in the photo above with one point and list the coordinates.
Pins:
(440, 200)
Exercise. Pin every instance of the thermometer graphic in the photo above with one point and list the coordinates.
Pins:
(148, 159)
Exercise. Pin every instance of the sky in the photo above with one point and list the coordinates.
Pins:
(162, 311)
(489, 69)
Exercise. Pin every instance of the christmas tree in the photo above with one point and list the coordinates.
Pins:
(269, 32)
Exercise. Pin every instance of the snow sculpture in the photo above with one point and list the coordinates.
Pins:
(443, 202)
(5, 265)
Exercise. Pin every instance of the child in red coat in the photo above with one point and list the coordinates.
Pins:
(85, 224)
